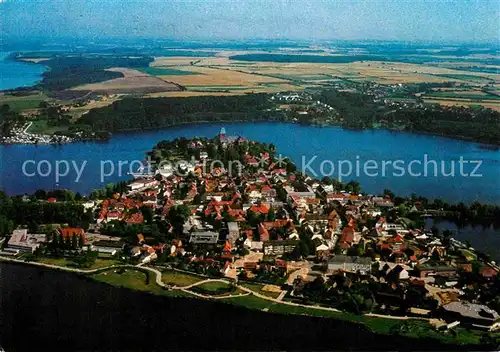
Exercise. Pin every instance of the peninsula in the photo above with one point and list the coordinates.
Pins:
(229, 219)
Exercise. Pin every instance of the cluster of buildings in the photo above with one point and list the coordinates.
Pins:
(20, 135)
(267, 222)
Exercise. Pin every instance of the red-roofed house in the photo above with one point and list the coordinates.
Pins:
(135, 218)
(488, 272)
(69, 232)
(263, 233)
(259, 209)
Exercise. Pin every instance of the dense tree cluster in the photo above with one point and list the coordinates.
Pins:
(138, 113)
(362, 111)
(70, 71)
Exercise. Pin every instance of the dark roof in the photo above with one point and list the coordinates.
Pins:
(111, 244)
(350, 259)
(204, 237)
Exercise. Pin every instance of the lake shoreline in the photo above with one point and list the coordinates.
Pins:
(131, 131)
(361, 324)
(92, 315)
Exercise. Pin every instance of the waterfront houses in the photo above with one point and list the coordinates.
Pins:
(265, 222)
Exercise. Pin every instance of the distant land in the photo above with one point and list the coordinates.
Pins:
(450, 90)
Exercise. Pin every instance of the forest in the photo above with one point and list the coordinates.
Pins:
(361, 111)
(139, 113)
(70, 71)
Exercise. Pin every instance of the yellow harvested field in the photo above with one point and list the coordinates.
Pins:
(175, 60)
(487, 104)
(188, 93)
(381, 72)
(473, 93)
(133, 81)
(209, 77)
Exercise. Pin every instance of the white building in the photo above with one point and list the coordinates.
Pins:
(24, 242)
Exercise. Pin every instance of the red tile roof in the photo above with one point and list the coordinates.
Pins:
(264, 234)
(259, 209)
(488, 272)
(347, 234)
(70, 231)
(135, 218)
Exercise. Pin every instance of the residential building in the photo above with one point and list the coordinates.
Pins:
(234, 232)
(279, 247)
(24, 242)
(349, 264)
(204, 237)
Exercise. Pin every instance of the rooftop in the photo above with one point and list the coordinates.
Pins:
(209, 237)
(350, 259)
(472, 310)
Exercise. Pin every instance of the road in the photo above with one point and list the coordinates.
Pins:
(158, 276)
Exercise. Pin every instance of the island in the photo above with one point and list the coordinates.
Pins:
(231, 220)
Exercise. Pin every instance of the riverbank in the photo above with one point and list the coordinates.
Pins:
(137, 278)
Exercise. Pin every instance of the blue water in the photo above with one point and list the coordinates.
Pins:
(15, 74)
(295, 141)
(483, 238)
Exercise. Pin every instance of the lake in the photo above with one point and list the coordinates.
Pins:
(15, 74)
(482, 238)
(64, 312)
(301, 143)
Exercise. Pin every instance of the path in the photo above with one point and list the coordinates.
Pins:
(159, 281)
(28, 127)
(75, 270)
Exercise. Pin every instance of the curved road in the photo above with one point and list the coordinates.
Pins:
(159, 281)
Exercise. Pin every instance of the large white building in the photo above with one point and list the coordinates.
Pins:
(25, 242)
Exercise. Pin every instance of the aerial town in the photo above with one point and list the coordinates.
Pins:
(316, 242)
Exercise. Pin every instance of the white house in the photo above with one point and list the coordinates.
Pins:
(24, 242)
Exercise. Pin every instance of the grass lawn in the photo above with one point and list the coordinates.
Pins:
(216, 289)
(136, 280)
(66, 262)
(420, 329)
(178, 278)
(214, 286)
(258, 288)
(410, 328)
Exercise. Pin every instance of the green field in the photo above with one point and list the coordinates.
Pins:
(157, 71)
(67, 262)
(461, 95)
(411, 328)
(178, 278)
(216, 289)
(465, 77)
(138, 280)
(41, 126)
(20, 103)
(135, 279)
